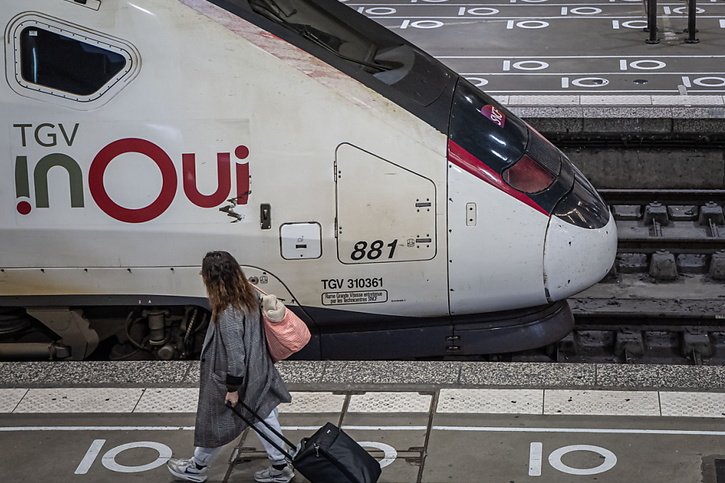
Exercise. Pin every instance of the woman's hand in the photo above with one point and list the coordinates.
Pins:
(231, 399)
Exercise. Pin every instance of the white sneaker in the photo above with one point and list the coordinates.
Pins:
(273, 475)
(186, 470)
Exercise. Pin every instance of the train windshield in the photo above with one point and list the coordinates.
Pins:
(492, 143)
(486, 129)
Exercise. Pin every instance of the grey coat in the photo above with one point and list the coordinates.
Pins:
(234, 354)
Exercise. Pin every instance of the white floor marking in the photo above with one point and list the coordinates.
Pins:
(521, 19)
(390, 453)
(610, 459)
(586, 92)
(20, 429)
(374, 428)
(580, 57)
(481, 429)
(90, 456)
(535, 458)
(647, 64)
(499, 429)
(109, 459)
(627, 74)
(443, 3)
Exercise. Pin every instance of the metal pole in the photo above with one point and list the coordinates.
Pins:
(692, 22)
(652, 22)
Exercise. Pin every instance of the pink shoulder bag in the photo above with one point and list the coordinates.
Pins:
(285, 332)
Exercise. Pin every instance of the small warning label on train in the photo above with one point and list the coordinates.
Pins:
(357, 297)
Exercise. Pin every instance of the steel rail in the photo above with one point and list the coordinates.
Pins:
(670, 197)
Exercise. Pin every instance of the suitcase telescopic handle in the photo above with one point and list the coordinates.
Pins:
(289, 443)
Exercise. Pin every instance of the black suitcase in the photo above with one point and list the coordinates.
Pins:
(328, 456)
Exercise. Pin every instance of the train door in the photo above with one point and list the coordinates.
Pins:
(386, 237)
(385, 213)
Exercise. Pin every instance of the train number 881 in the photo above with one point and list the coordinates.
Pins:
(374, 250)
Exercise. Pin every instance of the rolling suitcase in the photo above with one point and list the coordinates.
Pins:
(328, 456)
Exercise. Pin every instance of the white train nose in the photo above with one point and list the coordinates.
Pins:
(575, 258)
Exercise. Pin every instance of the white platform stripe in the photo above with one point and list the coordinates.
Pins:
(700, 100)
(9, 399)
(22, 429)
(184, 400)
(619, 100)
(313, 402)
(491, 401)
(559, 100)
(451, 401)
(390, 402)
(174, 400)
(543, 100)
(602, 403)
(93, 400)
(479, 429)
(689, 404)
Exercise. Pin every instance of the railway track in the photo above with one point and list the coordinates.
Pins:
(674, 197)
(668, 233)
(647, 330)
(664, 300)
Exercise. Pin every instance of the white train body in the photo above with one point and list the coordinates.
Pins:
(217, 135)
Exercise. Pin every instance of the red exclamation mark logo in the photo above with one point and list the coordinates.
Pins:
(22, 185)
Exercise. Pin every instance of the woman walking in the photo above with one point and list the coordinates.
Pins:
(235, 364)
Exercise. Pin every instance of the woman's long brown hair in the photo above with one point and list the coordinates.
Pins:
(226, 284)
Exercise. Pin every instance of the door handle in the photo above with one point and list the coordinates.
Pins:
(265, 216)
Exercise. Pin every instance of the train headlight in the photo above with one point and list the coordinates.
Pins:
(528, 176)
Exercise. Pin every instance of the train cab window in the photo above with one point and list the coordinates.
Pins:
(50, 60)
(58, 62)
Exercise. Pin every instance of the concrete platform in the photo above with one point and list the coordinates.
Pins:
(424, 422)
(581, 73)
(569, 54)
(374, 375)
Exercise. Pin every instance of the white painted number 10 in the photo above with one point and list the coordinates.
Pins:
(109, 458)
(536, 459)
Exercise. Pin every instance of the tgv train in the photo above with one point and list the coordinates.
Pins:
(398, 209)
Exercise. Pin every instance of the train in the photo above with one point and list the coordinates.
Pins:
(396, 208)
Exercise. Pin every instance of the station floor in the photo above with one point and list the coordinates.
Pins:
(424, 421)
(569, 53)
